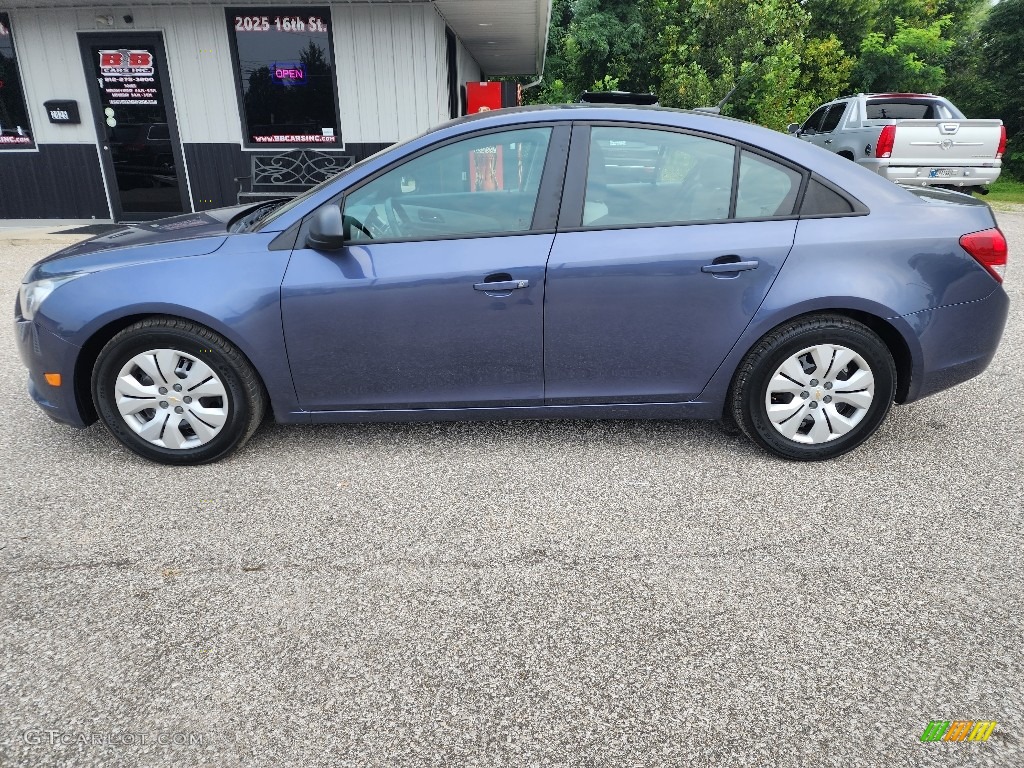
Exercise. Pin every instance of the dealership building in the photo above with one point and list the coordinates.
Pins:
(128, 112)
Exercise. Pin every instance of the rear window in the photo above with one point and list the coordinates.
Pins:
(908, 109)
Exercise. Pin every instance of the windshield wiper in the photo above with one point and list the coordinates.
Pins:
(248, 222)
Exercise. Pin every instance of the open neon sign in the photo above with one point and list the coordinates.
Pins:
(288, 73)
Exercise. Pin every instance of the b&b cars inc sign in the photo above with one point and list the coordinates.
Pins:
(128, 77)
(125, 62)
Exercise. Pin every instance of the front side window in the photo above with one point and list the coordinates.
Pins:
(15, 129)
(813, 124)
(485, 184)
(284, 67)
(641, 176)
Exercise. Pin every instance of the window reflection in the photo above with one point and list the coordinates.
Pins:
(285, 70)
(15, 129)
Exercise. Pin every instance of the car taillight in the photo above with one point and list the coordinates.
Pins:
(883, 147)
(1002, 142)
(989, 249)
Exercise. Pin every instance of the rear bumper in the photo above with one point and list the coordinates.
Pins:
(43, 352)
(957, 342)
(920, 175)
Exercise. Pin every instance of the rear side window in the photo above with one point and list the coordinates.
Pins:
(766, 188)
(641, 176)
(832, 118)
(819, 200)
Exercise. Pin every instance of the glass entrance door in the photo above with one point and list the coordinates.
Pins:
(135, 121)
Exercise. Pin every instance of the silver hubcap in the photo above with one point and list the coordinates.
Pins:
(171, 399)
(820, 394)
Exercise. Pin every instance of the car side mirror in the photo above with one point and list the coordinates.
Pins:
(326, 230)
(793, 128)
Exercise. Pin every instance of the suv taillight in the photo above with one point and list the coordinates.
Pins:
(883, 147)
(988, 249)
(1002, 142)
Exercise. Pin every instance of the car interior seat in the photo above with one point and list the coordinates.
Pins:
(595, 202)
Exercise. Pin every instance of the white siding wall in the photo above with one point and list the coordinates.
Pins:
(51, 67)
(198, 56)
(390, 63)
(391, 70)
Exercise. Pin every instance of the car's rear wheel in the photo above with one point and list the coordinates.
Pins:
(814, 389)
(176, 392)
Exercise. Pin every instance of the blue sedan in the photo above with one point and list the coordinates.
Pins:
(552, 262)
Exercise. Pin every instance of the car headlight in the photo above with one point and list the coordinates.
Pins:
(33, 294)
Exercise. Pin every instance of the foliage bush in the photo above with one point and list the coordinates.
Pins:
(1013, 158)
(780, 59)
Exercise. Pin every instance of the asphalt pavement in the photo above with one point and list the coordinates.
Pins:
(515, 594)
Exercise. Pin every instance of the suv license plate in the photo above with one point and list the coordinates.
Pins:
(943, 173)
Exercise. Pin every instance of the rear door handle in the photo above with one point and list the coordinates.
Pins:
(501, 285)
(729, 266)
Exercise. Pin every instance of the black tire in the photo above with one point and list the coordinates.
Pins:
(749, 391)
(245, 397)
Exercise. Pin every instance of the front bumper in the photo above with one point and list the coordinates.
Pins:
(957, 342)
(44, 352)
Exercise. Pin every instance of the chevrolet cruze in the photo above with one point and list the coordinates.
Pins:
(554, 262)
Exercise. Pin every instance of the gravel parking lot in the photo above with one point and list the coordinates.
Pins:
(515, 594)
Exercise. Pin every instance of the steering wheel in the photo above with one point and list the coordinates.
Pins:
(357, 225)
(396, 216)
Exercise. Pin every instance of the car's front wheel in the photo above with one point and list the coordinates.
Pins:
(176, 392)
(814, 389)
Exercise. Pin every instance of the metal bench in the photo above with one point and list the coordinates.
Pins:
(287, 174)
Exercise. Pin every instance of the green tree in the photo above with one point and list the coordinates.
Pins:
(1004, 56)
(849, 21)
(710, 47)
(969, 81)
(594, 39)
(910, 60)
(1003, 31)
(825, 71)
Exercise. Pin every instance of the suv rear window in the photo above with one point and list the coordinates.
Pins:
(908, 109)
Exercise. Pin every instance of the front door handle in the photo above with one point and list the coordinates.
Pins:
(729, 266)
(499, 286)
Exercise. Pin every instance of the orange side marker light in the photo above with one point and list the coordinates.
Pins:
(53, 379)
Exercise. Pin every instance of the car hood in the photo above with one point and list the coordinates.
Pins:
(193, 234)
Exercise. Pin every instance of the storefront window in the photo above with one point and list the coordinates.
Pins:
(285, 69)
(15, 130)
